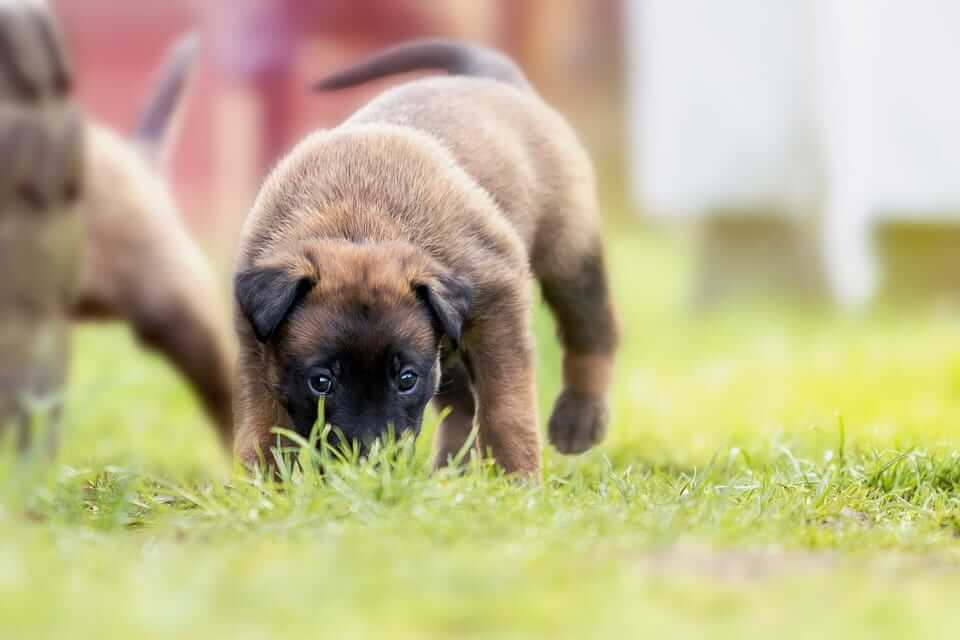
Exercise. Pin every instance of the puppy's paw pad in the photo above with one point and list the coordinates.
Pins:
(578, 422)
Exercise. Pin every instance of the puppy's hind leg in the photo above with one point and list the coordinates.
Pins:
(574, 281)
(455, 393)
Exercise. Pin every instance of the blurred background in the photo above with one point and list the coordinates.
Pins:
(819, 139)
(249, 101)
(811, 147)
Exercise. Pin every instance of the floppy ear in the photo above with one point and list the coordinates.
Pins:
(448, 298)
(266, 295)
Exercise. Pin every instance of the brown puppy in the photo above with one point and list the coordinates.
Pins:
(89, 230)
(390, 258)
(140, 264)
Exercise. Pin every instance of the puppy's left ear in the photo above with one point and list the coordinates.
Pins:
(266, 295)
(449, 299)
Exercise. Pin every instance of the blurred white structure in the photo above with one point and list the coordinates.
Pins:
(844, 109)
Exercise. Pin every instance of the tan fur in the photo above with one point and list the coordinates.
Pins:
(469, 176)
(140, 265)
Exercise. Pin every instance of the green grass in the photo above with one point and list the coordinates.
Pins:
(768, 472)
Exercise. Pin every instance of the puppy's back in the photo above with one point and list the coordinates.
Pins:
(499, 131)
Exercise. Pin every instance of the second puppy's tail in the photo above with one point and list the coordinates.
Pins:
(456, 58)
(155, 122)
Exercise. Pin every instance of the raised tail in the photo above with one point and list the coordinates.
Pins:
(456, 58)
(155, 120)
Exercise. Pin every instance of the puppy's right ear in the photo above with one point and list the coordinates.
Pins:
(265, 295)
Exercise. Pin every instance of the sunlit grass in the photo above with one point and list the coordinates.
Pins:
(768, 471)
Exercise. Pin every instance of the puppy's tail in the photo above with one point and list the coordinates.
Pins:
(456, 58)
(156, 119)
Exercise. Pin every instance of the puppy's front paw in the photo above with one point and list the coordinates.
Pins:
(578, 422)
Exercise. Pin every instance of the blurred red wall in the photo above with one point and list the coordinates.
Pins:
(117, 48)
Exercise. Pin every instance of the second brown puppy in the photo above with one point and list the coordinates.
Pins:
(139, 262)
(388, 261)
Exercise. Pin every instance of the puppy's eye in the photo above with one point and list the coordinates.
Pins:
(407, 381)
(320, 384)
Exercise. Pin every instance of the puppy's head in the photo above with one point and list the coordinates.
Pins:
(358, 326)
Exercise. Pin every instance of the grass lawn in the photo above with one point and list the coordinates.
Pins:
(768, 472)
